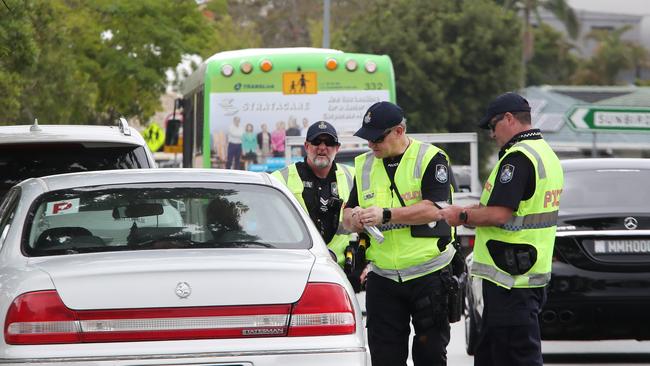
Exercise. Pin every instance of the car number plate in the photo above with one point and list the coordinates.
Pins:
(624, 246)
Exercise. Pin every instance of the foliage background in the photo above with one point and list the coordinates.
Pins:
(89, 61)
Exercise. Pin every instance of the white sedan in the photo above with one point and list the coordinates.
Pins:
(169, 267)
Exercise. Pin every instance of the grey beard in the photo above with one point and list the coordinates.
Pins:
(321, 162)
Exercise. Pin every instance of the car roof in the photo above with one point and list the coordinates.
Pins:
(22, 134)
(126, 176)
(605, 163)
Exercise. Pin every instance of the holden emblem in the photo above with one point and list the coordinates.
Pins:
(183, 290)
(630, 223)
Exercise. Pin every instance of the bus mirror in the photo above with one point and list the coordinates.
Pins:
(179, 103)
(172, 131)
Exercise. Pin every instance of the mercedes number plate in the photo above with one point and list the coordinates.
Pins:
(623, 246)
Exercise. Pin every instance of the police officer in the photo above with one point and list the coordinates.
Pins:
(515, 233)
(321, 186)
(395, 186)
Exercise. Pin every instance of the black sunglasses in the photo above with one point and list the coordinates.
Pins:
(493, 122)
(381, 138)
(326, 141)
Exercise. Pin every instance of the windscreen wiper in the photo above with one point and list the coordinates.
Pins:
(241, 244)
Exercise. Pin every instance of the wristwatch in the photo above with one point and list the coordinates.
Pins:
(462, 216)
(386, 216)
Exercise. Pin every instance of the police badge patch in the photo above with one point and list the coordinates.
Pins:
(366, 119)
(334, 188)
(507, 172)
(441, 173)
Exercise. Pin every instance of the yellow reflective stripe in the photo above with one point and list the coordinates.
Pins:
(532, 221)
(431, 265)
(507, 280)
(348, 175)
(365, 175)
(535, 154)
(285, 174)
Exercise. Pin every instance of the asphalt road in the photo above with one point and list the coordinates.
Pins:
(610, 353)
(558, 353)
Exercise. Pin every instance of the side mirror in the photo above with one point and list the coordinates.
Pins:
(172, 131)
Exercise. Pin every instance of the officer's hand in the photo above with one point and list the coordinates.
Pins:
(354, 219)
(364, 275)
(450, 215)
(372, 216)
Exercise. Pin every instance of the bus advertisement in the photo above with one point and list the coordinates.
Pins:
(278, 89)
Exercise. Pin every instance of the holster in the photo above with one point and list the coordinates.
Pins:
(355, 260)
(456, 282)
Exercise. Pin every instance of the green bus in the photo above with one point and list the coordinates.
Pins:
(279, 88)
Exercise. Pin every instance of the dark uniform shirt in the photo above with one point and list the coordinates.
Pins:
(516, 306)
(434, 187)
(319, 195)
(515, 181)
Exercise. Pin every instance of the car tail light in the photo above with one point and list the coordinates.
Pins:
(42, 318)
(324, 309)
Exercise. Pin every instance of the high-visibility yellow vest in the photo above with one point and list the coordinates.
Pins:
(401, 256)
(533, 223)
(344, 179)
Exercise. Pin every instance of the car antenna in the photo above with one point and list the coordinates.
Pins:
(35, 127)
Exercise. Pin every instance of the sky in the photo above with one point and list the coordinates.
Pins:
(634, 7)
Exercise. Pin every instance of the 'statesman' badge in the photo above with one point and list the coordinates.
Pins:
(507, 172)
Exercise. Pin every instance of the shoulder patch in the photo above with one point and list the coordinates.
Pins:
(441, 173)
(507, 172)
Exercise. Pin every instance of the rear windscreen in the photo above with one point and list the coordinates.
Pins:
(163, 216)
(21, 161)
(620, 189)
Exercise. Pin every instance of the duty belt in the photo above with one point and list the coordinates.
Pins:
(421, 269)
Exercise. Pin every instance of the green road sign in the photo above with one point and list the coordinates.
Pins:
(154, 136)
(603, 118)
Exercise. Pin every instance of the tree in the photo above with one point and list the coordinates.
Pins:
(129, 45)
(40, 77)
(280, 23)
(294, 23)
(553, 61)
(449, 58)
(611, 56)
(90, 61)
(559, 8)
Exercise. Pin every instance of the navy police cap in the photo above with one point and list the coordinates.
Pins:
(321, 128)
(508, 102)
(379, 117)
